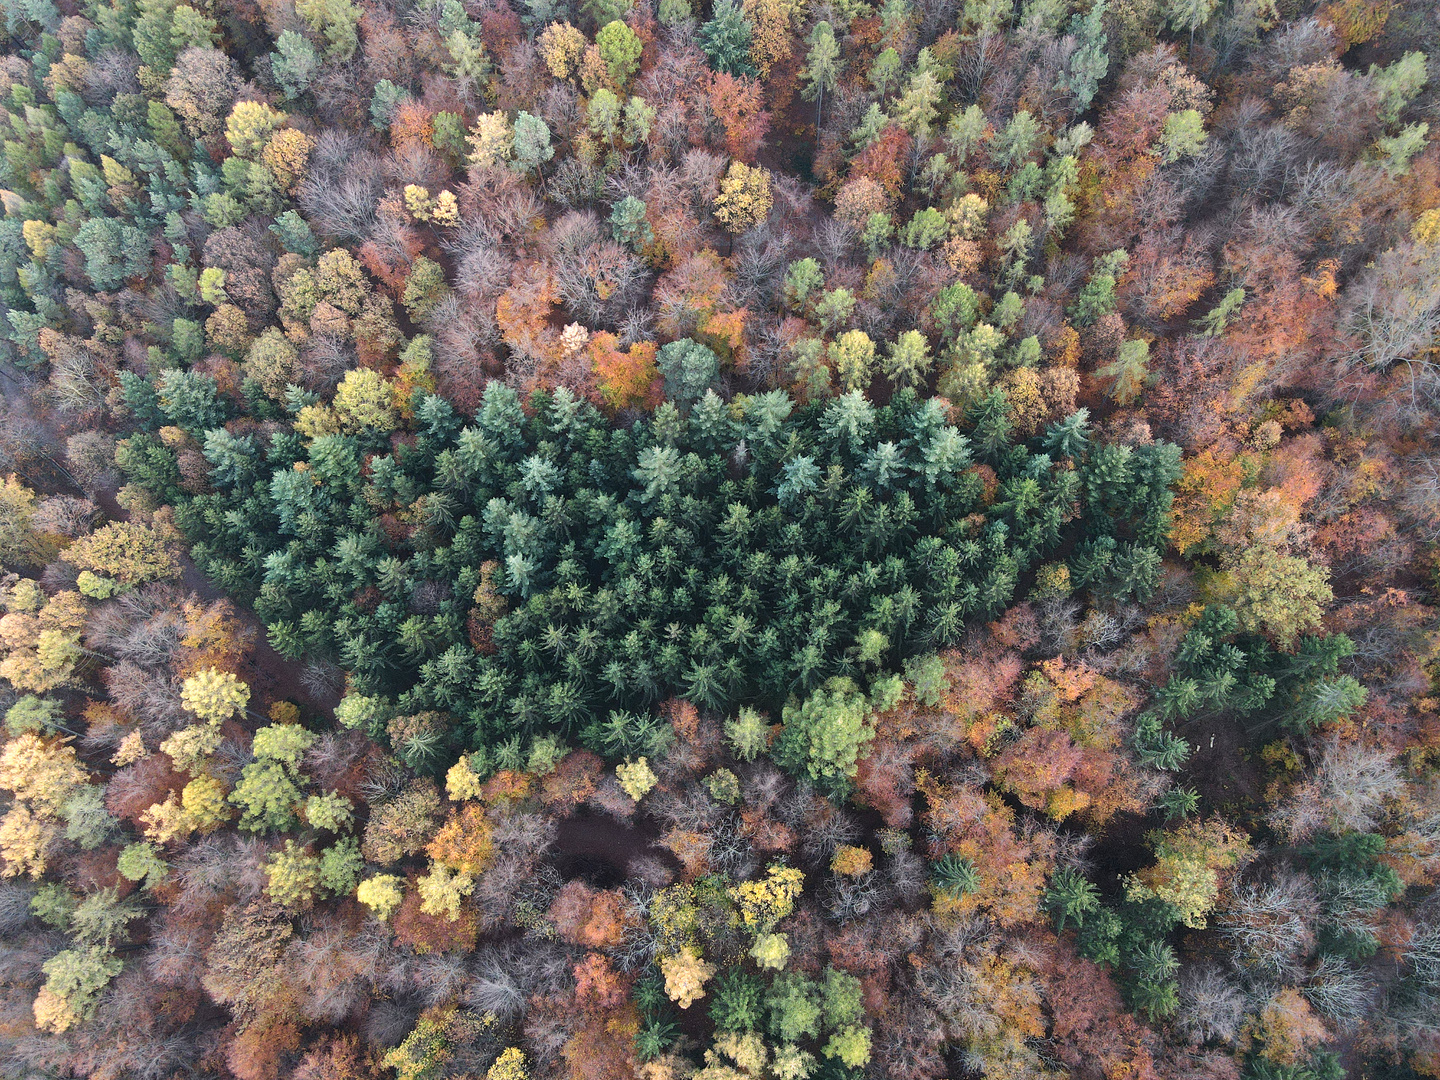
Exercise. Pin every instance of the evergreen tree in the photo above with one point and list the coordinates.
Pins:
(725, 39)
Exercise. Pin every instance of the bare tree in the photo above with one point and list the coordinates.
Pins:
(387, 1021)
(343, 185)
(114, 71)
(576, 184)
(1347, 792)
(700, 174)
(66, 515)
(90, 456)
(1339, 991)
(835, 242)
(143, 625)
(824, 827)
(336, 968)
(322, 679)
(333, 754)
(440, 977)
(15, 911)
(1356, 780)
(1393, 309)
(482, 270)
(1211, 1006)
(1423, 956)
(847, 899)
(491, 988)
(907, 875)
(78, 381)
(416, 163)
(1270, 926)
(147, 695)
(1420, 495)
(596, 277)
(323, 363)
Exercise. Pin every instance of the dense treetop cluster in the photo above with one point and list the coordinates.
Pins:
(704, 556)
(719, 539)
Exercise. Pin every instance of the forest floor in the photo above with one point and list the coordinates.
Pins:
(601, 849)
(1222, 767)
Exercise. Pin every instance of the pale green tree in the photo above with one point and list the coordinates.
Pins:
(1214, 321)
(802, 278)
(1189, 14)
(1395, 152)
(822, 737)
(748, 734)
(853, 355)
(834, 307)
(885, 71)
(532, 146)
(1398, 84)
(1014, 143)
(967, 130)
(1090, 61)
(822, 67)
(919, 105)
(602, 115)
(909, 361)
(1183, 135)
(74, 979)
(1128, 372)
(620, 48)
(337, 20)
(141, 861)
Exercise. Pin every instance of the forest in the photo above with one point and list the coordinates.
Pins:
(720, 540)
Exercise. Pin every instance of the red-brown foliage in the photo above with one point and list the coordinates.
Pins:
(739, 105)
(586, 916)
(432, 933)
(884, 160)
(573, 781)
(598, 986)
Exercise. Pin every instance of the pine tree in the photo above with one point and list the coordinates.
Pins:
(726, 39)
(1070, 897)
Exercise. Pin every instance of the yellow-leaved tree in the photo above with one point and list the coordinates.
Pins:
(364, 401)
(561, 46)
(40, 637)
(286, 155)
(510, 1065)
(492, 140)
(1186, 874)
(214, 695)
(685, 976)
(382, 894)
(19, 542)
(765, 901)
(744, 200)
(42, 774)
(250, 126)
(128, 551)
